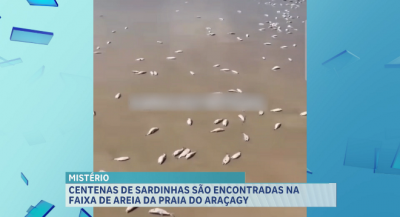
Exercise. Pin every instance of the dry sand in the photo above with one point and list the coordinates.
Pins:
(270, 156)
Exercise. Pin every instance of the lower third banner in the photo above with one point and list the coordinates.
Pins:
(201, 195)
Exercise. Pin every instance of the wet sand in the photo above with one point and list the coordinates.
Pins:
(270, 156)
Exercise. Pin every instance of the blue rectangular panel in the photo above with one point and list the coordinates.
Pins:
(40, 210)
(361, 153)
(31, 36)
(48, 3)
(166, 177)
(6, 63)
(24, 178)
(384, 161)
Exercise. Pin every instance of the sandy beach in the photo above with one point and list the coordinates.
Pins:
(274, 156)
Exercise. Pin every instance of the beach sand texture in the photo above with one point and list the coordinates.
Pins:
(274, 156)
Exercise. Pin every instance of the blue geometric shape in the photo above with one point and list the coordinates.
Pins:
(393, 64)
(31, 36)
(396, 160)
(48, 3)
(384, 161)
(30, 208)
(34, 138)
(24, 178)
(6, 63)
(40, 210)
(339, 61)
(309, 171)
(83, 213)
(361, 153)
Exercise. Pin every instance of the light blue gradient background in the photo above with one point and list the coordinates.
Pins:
(62, 112)
(360, 101)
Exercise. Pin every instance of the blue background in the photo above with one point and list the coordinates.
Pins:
(360, 101)
(46, 119)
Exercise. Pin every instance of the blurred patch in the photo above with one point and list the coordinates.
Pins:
(34, 137)
(210, 102)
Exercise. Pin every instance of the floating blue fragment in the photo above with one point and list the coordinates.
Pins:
(361, 153)
(24, 178)
(31, 36)
(385, 158)
(340, 61)
(30, 209)
(48, 3)
(394, 63)
(83, 213)
(40, 210)
(309, 171)
(6, 63)
(396, 160)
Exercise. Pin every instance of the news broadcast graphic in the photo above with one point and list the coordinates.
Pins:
(216, 81)
(201, 85)
(46, 97)
(352, 94)
(130, 189)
